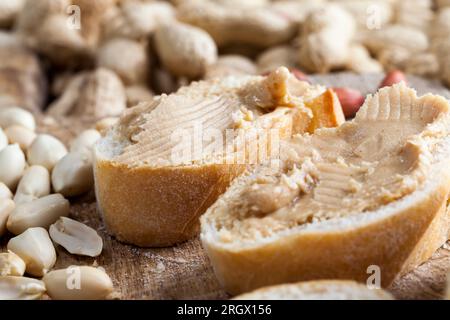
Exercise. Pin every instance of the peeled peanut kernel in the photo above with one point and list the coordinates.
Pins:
(351, 100)
(46, 151)
(78, 283)
(11, 264)
(41, 212)
(73, 174)
(17, 116)
(3, 139)
(36, 249)
(35, 183)
(104, 124)
(76, 237)
(20, 135)
(392, 78)
(85, 141)
(20, 198)
(5, 192)
(12, 165)
(6, 207)
(20, 288)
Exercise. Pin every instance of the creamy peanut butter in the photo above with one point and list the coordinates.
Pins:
(382, 155)
(149, 133)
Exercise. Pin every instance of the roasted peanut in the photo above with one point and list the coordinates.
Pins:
(3, 139)
(36, 249)
(127, 58)
(85, 141)
(35, 183)
(88, 283)
(392, 78)
(17, 116)
(6, 207)
(5, 193)
(73, 174)
(20, 288)
(12, 165)
(325, 39)
(20, 135)
(76, 237)
(11, 264)
(351, 100)
(276, 57)
(46, 151)
(185, 50)
(41, 212)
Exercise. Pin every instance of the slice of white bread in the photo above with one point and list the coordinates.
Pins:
(368, 195)
(148, 197)
(317, 290)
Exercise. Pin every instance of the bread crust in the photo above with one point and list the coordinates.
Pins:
(158, 207)
(396, 243)
(319, 289)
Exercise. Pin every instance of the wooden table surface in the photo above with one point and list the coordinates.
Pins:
(184, 272)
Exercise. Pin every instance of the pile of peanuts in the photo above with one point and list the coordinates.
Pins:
(93, 59)
(88, 61)
(33, 166)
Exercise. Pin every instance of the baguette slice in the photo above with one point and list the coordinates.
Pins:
(371, 192)
(149, 195)
(317, 290)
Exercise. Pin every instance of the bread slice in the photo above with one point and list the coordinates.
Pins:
(156, 173)
(344, 201)
(318, 290)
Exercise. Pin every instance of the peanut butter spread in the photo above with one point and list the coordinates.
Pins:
(381, 156)
(149, 133)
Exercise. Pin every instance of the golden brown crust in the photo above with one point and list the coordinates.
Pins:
(318, 290)
(392, 244)
(394, 236)
(158, 206)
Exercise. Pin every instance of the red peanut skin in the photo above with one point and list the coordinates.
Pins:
(392, 78)
(351, 100)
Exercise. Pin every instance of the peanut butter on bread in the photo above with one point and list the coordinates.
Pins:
(369, 192)
(165, 162)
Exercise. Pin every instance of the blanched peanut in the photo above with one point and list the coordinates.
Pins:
(17, 116)
(46, 151)
(76, 237)
(36, 249)
(20, 288)
(11, 264)
(73, 174)
(5, 193)
(85, 141)
(41, 212)
(86, 283)
(20, 135)
(6, 207)
(3, 139)
(12, 165)
(185, 50)
(34, 184)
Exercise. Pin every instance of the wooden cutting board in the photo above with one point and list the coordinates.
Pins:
(184, 272)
